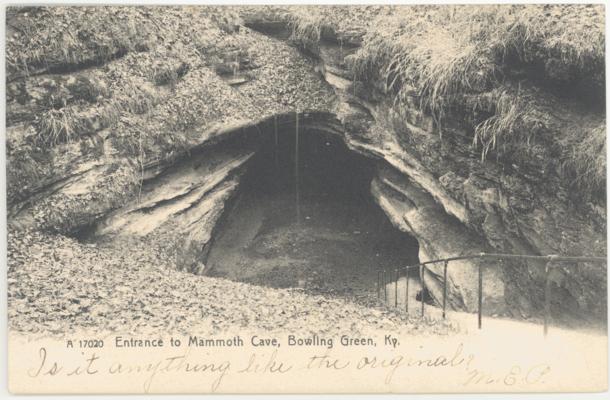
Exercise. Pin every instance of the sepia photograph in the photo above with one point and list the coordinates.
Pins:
(282, 198)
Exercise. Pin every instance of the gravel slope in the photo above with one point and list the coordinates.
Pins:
(57, 285)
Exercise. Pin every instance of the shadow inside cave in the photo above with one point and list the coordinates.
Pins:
(315, 227)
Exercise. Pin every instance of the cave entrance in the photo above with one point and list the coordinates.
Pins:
(315, 227)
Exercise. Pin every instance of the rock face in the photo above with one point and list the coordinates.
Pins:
(435, 187)
(162, 170)
(178, 211)
(414, 211)
(100, 146)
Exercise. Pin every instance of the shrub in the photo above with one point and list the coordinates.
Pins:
(307, 31)
(86, 88)
(231, 55)
(584, 161)
(70, 37)
(169, 73)
(55, 126)
(465, 60)
(69, 123)
(441, 53)
(137, 96)
(513, 119)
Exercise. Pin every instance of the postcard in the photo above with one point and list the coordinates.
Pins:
(306, 199)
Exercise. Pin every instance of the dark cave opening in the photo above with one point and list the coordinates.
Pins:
(304, 218)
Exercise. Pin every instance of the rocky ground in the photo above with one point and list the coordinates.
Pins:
(58, 285)
(336, 249)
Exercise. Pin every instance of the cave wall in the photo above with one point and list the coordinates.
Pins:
(438, 187)
(440, 191)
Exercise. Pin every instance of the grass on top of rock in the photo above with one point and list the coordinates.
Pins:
(443, 57)
(68, 109)
(585, 161)
(69, 123)
(147, 106)
(51, 38)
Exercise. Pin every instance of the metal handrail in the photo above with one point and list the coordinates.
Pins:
(551, 257)
(382, 276)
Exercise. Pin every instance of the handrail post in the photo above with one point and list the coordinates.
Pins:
(385, 289)
(547, 297)
(422, 272)
(385, 280)
(445, 289)
(276, 158)
(407, 291)
(297, 186)
(378, 285)
(480, 296)
(396, 290)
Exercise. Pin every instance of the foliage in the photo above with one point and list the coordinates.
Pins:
(69, 123)
(82, 87)
(585, 160)
(309, 24)
(56, 126)
(231, 54)
(513, 119)
(168, 73)
(448, 60)
(136, 96)
(572, 34)
(465, 60)
(26, 167)
(68, 37)
(307, 31)
(227, 19)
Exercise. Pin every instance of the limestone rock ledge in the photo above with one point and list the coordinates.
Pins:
(436, 188)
